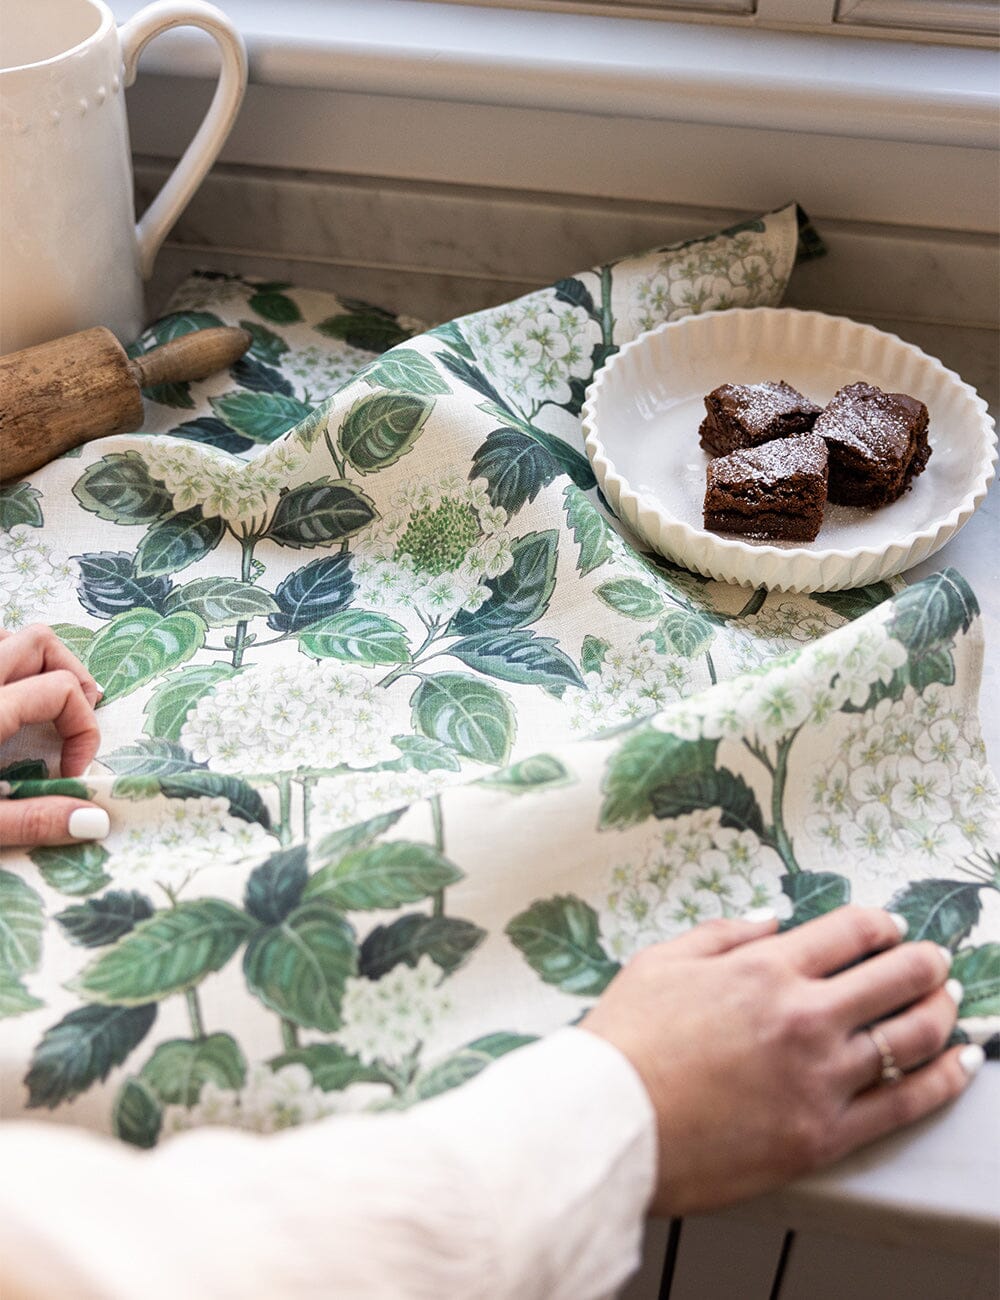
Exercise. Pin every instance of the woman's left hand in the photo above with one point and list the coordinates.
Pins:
(41, 681)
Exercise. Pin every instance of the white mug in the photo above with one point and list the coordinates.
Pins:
(71, 254)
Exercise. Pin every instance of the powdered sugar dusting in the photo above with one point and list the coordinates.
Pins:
(758, 406)
(772, 462)
(872, 422)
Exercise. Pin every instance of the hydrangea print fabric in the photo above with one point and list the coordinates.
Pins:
(406, 747)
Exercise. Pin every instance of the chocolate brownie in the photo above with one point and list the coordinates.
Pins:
(774, 491)
(877, 443)
(746, 415)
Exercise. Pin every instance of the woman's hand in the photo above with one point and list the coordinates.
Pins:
(40, 681)
(754, 1050)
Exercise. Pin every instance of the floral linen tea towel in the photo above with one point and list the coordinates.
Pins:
(407, 747)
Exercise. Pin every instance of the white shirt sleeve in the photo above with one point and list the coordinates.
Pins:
(531, 1181)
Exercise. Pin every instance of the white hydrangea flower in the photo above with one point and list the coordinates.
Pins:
(632, 682)
(874, 657)
(317, 370)
(243, 493)
(385, 1019)
(433, 550)
(697, 870)
(353, 797)
(309, 714)
(534, 347)
(33, 578)
(269, 1101)
(725, 272)
(179, 838)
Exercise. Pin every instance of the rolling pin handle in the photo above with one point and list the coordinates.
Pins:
(191, 356)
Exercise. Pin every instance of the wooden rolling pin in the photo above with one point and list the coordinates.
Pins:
(57, 395)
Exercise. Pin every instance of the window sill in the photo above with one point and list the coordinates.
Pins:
(870, 89)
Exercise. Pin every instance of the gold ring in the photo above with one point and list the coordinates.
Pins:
(889, 1070)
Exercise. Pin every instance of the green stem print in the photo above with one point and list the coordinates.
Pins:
(289, 1034)
(284, 826)
(240, 641)
(711, 667)
(607, 320)
(194, 1014)
(437, 818)
(777, 834)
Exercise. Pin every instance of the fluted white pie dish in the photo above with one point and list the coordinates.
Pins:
(643, 409)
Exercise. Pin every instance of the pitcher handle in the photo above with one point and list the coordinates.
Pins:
(180, 186)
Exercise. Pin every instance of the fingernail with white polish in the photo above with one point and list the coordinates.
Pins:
(89, 824)
(971, 1058)
(760, 914)
(901, 924)
(947, 954)
(956, 991)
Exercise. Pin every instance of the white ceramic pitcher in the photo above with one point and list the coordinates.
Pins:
(71, 254)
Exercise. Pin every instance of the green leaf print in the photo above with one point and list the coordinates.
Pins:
(244, 801)
(451, 334)
(560, 939)
(170, 327)
(384, 875)
(179, 1069)
(101, 921)
(370, 328)
(261, 417)
(712, 788)
(151, 758)
(852, 604)
(254, 375)
(978, 971)
(321, 512)
(682, 632)
(944, 911)
(515, 468)
(521, 594)
(332, 1068)
(470, 374)
(631, 597)
(85, 1046)
(317, 590)
(19, 505)
(76, 639)
(649, 761)
(21, 925)
(814, 893)
(593, 652)
(448, 941)
(136, 1116)
(173, 699)
(300, 968)
(569, 460)
(357, 636)
(379, 430)
(15, 999)
(220, 602)
(73, 869)
(576, 293)
(120, 488)
(29, 769)
(333, 846)
(275, 306)
(211, 432)
(539, 772)
(110, 585)
(266, 346)
(933, 611)
(179, 541)
(137, 646)
(467, 1062)
(421, 754)
(466, 714)
(591, 531)
(518, 656)
(275, 887)
(172, 951)
(407, 371)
